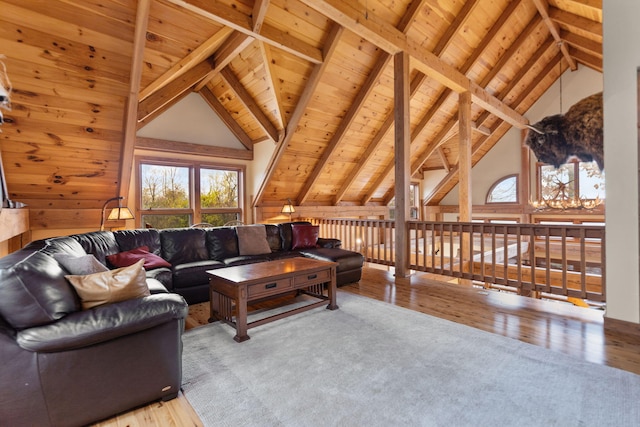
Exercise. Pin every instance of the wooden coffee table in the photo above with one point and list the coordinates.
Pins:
(232, 288)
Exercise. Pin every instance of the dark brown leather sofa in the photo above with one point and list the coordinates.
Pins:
(64, 366)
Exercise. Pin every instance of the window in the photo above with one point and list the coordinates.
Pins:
(505, 190)
(180, 194)
(414, 199)
(581, 179)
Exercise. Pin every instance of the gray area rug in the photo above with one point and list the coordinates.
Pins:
(374, 364)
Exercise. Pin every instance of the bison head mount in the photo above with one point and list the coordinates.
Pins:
(578, 133)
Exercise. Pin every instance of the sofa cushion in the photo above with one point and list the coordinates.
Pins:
(98, 243)
(131, 239)
(222, 243)
(183, 245)
(24, 301)
(304, 236)
(273, 237)
(286, 233)
(85, 264)
(193, 273)
(252, 240)
(111, 286)
(127, 258)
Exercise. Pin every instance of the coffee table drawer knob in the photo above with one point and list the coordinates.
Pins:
(312, 276)
(270, 285)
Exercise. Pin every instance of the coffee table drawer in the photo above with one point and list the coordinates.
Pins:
(312, 278)
(268, 288)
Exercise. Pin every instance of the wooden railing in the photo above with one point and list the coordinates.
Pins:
(567, 260)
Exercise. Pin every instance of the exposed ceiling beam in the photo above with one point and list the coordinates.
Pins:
(247, 100)
(502, 20)
(231, 17)
(417, 81)
(312, 83)
(352, 15)
(543, 10)
(362, 95)
(226, 118)
(179, 147)
(229, 50)
(587, 59)
(198, 55)
(582, 43)
(575, 22)
(131, 122)
(259, 12)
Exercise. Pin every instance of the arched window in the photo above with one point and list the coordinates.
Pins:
(504, 190)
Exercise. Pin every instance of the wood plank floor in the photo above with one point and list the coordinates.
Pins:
(558, 326)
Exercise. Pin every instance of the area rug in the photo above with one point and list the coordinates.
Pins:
(374, 364)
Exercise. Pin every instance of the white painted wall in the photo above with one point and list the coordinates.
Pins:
(621, 62)
(191, 120)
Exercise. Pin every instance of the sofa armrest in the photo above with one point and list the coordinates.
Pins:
(328, 243)
(103, 323)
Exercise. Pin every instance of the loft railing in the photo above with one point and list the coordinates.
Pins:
(567, 260)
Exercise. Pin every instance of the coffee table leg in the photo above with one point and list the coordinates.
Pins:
(332, 291)
(214, 304)
(241, 315)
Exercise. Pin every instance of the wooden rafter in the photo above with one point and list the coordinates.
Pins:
(249, 103)
(502, 20)
(575, 22)
(312, 83)
(235, 19)
(543, 10)
(368, 86)
(198, 55)
(274, 85)
(392, 40)
(259, 12)
(234, 45)
(417, 81)
(226, 118)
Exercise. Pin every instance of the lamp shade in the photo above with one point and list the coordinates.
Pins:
(288, 208)
(120, 213)
(116, 213)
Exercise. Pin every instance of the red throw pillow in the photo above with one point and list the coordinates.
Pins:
(304, 236)
(127, 258)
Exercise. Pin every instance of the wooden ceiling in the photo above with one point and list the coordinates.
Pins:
(314, 77)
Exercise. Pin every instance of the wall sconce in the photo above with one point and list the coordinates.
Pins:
(116, 213)
(288, 208)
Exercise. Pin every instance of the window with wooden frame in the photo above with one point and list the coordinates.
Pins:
(504, 190)
(581, 179)
(180, 194)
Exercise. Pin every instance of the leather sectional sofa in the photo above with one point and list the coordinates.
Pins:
(65, 363)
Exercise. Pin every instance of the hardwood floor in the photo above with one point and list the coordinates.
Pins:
(558, 326)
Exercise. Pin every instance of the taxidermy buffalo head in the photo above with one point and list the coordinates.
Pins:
(578, 133)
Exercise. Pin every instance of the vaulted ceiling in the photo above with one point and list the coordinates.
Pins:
(314, 77)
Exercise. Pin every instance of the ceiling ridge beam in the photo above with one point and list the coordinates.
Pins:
(312, 83)
(231, 17)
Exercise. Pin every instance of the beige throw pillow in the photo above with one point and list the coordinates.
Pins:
(111, 286)
(252, 240)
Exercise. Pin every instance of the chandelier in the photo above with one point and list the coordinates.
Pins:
(564, 203)
(563, 199)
